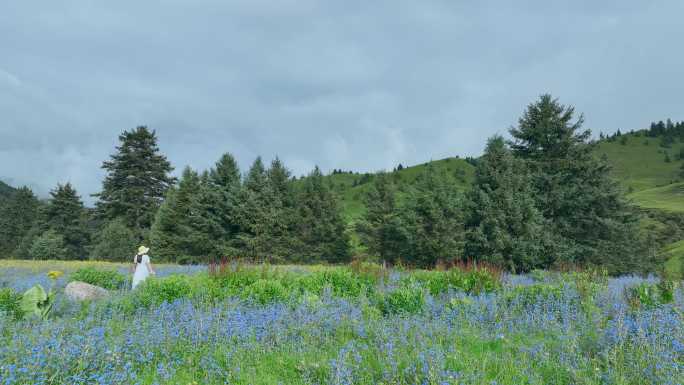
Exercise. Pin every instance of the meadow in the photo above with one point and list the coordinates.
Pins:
(357, 324)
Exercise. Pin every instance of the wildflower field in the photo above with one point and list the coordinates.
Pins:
(359, 324)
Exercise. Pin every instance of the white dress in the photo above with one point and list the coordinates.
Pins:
(141, 270)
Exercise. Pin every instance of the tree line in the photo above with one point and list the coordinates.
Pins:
(539, 200)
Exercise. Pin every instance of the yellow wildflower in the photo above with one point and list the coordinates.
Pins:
(54, 274)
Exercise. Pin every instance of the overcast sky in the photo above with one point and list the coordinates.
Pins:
(360, 85)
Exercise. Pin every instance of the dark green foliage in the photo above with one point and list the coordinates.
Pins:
(320, 228)
(217, 208)
(108, 279)
(115, 242)
(136, 182)
(666, 289)
(380, 229)
(49, 245)
(5, 191)
(65, 215)
(590, 219)
(267, 212)
(431, 221)
(18, 214)
(503, 225)
(175, 235)
(10, 303)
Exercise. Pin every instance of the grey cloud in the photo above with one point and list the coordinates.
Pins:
(354, 84)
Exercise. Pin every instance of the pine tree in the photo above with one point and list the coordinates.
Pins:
(503, 225)
(66, 215)
(590, 220)
(282, 209)
(253, 212)
(174, 235)
(220, 205)
(320, 226)
(380, 228)
(18, 214)
(136, 182)
(431, 220)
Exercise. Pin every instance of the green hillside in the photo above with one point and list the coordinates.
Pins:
(639, 161)
(668, 198)
(351, 186)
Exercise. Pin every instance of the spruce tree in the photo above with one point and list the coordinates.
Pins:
(320, 227)
(503, 225)
(254, 212)
(280, 201)
(175, 235)
(66, 215)
(219, 201)
(431, 220)
(136, 182)
(380, 228)
(588, 215)
(18, 213)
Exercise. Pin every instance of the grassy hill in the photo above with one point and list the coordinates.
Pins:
(669, 198)
(639, 161)
(351, 186)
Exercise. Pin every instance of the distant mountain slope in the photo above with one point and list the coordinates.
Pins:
(351, 187)
(5, 190)
(639, 161)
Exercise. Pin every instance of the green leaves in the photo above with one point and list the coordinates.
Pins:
(37, 302)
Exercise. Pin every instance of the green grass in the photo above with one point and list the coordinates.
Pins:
(675, 258)
(668, 198)
(640, 163)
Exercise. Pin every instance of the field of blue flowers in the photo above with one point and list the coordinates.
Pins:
(345, 325)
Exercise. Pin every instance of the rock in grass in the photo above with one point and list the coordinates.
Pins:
(81, 291)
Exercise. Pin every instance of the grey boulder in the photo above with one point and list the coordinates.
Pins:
(81, 291)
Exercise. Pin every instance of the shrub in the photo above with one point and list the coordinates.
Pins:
(108, 279)
(648, 295)
(643, 295)
(666, 288)
(265, 291)
(342, 283)
(406, 299)
(10, 303)
(474, 281)
(116, 242)
(156, 291)
(532, 294)
(48, 245)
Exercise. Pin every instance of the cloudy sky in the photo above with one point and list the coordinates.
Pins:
(359, 85)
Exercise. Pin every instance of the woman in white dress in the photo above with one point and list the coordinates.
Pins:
(143, 267)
